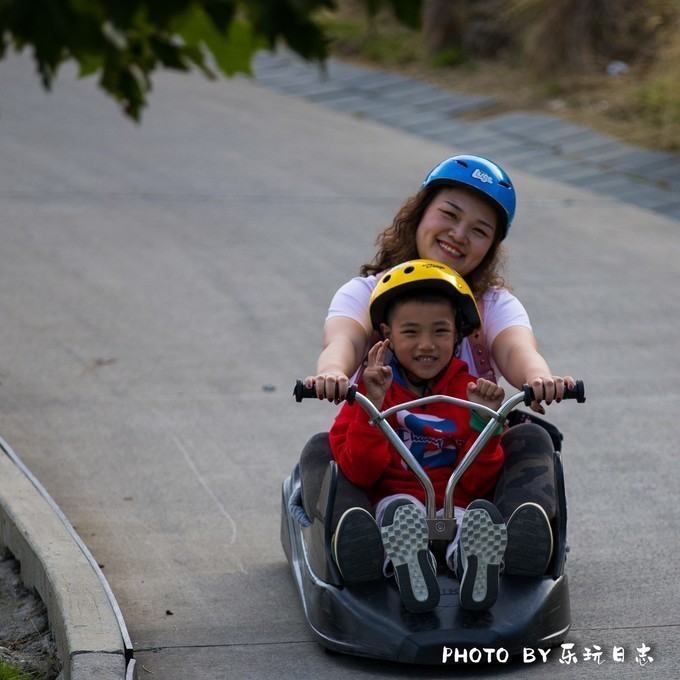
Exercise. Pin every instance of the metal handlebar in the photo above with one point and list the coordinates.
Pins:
(379, 419)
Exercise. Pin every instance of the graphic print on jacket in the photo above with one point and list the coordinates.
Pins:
(432, 440)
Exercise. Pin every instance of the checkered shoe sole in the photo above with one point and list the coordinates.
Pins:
(405, 537)
(483, 540)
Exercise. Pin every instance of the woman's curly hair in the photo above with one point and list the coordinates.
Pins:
(397, 244)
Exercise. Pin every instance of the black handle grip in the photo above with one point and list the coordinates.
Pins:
(302, 392)
(578, 393)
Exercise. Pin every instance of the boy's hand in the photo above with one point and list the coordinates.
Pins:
(377, 377)
(485, 393)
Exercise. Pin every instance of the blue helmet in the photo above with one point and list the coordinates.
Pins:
(483, 176)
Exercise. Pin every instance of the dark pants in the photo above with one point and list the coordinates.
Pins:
(313, 465)
(528, 474)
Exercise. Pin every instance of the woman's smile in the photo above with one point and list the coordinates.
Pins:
(457, 229)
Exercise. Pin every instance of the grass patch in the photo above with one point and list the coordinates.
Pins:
(378, 40)
(8, 672)
(450, 57)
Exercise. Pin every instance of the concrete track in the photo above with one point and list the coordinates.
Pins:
(162, 287)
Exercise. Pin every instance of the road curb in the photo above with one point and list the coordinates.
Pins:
(85, 620)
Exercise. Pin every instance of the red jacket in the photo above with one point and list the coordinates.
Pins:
(438, 435)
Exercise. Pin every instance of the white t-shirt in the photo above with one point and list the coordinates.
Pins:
(500, 309)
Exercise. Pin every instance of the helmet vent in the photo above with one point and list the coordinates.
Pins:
(386, 278)
(409, 270)
(463, 163)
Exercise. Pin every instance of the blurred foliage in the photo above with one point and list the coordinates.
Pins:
(563, 35)
(657, 101)
(558, 50)
(125, 41)
(636, 42)
(376, 37)
(609, 64)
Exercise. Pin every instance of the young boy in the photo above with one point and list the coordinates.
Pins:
(422, 310)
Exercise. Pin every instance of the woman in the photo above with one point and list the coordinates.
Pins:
(459, 217)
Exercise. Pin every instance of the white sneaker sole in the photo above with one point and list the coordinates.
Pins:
(406, 538)
(483, 540)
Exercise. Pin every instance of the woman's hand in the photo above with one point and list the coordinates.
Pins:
(548, 389)
(345, 343)
(377, 377)
(331, 385)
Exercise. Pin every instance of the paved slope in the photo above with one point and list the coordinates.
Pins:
(156, 277)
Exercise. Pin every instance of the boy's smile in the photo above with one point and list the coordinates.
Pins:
(422, 337)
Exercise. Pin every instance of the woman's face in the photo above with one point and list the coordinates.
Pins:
(457, 229)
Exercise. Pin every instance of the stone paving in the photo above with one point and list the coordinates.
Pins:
(540, 144)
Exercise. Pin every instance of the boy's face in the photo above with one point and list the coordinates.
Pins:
(422, 336)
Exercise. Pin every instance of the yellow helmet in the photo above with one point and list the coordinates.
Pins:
(425, 275)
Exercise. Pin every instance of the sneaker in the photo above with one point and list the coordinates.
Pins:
(357, 547)
(406, 539)
(530, 541)
(483, 538)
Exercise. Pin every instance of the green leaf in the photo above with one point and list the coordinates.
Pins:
(89, 64)
(232, 46)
